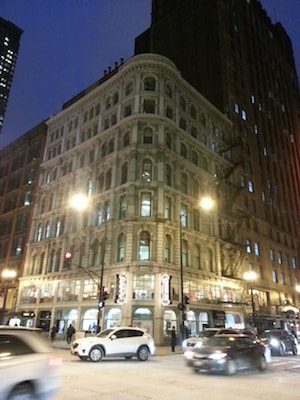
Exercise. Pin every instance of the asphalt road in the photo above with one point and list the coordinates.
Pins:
(167, 377)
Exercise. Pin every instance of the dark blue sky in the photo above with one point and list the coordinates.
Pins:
(67, 44)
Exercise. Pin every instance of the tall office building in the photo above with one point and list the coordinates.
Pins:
(233, 54)
(10, 36)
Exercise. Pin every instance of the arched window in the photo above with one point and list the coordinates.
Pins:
(144, 245)
(121, 247)
(147, 171)
(167, 249)
(149, 83)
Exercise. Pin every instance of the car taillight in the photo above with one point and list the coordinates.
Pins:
(54, 361)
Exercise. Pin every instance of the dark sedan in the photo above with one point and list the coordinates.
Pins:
(280, 341)
(229, 354)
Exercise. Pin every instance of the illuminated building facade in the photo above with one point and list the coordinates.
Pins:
(143, 146)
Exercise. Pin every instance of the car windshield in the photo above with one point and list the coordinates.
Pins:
(105, 333)
(220, 341)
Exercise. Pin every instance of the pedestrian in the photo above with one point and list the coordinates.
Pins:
(70, 332)
(53, 331)
(173, 339)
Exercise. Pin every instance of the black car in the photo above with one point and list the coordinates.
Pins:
(280, 341)
(229, 354)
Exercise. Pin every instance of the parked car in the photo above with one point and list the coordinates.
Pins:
(28, 365)
(229, 354)
(190, 342)
(115, 342)
(280, 341)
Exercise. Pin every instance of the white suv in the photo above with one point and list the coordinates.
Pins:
(28, 366)
(115, 342)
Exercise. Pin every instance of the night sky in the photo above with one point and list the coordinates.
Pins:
(67, 44)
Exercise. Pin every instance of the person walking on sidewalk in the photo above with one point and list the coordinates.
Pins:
(173, 339)
(70, 332)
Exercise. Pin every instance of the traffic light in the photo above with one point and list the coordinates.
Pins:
(104, 293)
(67, 260)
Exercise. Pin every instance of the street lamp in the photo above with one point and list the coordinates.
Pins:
(251, 276)
(8, 275)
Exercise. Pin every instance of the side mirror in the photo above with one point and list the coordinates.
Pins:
(113, 337)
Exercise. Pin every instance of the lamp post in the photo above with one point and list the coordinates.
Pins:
(8, 275)
(182, 306)
(251, 276)
(79, 202)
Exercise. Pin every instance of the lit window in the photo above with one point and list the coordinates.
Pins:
(145, 205)
(144, 246)
(147, 171)
(256, 249)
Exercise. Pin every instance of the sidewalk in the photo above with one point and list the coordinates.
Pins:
(159, 350)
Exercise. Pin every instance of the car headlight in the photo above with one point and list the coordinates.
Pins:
(184, 343)
(189, 354)
(274, 342)
(217, 356)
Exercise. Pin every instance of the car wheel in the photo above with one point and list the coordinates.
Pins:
(230, 367)
(262, 364)
(96, 354)
(143, 353)
(83, 358)
(281, 350)
(23, 391)
(295, 350)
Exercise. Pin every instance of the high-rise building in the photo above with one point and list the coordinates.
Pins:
(233, 54)
(10, 36)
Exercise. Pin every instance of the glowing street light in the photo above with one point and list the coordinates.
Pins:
(207, 203)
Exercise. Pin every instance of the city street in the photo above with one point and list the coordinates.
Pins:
(166, 377)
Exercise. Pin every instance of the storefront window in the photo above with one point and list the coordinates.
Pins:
(143, 287)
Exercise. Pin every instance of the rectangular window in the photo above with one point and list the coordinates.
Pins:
(167, 211)
(274, 276)
(122, 209)
(149, 107)
(145, 210)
